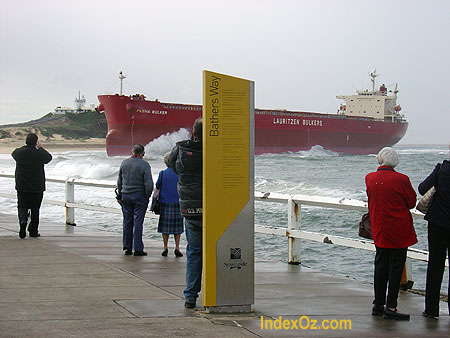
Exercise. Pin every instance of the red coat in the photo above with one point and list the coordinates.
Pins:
(391, 195)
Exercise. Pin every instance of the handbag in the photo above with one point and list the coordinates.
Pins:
(425, 202)
(156, 204)
(365, 227)
(155, 207)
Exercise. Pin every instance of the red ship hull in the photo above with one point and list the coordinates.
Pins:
(132, 121)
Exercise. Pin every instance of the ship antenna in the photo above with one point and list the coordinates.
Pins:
(121, 77)
(396, 90)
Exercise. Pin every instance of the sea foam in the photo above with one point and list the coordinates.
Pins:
(158, 147)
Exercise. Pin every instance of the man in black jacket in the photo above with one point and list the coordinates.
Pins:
(30, 182)
(186, 160)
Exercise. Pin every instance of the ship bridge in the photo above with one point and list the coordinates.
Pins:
(376, 104)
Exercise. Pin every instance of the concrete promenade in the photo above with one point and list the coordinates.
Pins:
(75, 282)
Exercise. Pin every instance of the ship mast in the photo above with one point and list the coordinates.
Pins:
(373, 75)
(121, 77)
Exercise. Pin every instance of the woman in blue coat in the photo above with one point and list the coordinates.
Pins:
(170, 219)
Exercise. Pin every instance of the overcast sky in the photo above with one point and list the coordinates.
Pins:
(301, 54)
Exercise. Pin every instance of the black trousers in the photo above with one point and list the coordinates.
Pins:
(29, 201)
(438, 247)
(389, 265)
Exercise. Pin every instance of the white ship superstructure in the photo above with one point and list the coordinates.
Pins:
(376, 104)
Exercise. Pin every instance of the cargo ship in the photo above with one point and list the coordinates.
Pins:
(363, 124)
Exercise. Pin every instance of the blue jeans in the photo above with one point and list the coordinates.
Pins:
(134, 206)
(193, 228)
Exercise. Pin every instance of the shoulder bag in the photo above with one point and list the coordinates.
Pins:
(425, 202)
(156, 202)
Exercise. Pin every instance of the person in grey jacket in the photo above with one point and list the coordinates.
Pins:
(438, 217)
(135, 186)
(30, 183)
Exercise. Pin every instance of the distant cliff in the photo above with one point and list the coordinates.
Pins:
(68, 126)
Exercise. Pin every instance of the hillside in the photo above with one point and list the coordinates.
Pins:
(52, 127)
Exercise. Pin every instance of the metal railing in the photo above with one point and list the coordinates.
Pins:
(292, 231)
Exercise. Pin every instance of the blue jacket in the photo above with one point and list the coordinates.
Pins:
(169, 180)
(439, 212)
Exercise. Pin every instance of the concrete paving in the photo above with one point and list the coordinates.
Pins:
(76, 282)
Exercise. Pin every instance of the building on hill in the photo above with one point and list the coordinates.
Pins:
(79, 107)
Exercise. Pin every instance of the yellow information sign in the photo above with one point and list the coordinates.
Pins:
(228, 194)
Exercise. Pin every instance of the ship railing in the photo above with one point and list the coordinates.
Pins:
(292, 231)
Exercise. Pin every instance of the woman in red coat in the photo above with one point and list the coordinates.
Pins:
(390, 195)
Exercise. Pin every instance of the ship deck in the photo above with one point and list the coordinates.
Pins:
(76, 282)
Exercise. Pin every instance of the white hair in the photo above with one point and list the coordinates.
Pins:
(388, 157)
(166, 158)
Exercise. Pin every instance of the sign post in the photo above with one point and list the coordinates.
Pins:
(228, 193)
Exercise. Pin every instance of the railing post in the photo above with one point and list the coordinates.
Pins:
(70, 198)
(293, 224)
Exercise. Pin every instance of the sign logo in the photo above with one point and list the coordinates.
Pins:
(235, 261)
(235, 253)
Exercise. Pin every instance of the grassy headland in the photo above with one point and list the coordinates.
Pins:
(59, 131)
(69, 126)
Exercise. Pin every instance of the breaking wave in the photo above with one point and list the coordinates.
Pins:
(304, 188)
(158, 147)
(93, 165)
(97, 165)
(316, 151)
(420, 150)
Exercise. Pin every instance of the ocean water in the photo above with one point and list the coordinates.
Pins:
(314, 172)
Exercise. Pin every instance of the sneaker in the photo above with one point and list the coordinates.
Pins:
(389, 314)
(164, 253)
(140, 253)
(178, 253)
(128, 252)
(189, 305)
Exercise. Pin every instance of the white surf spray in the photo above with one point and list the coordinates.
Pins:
(316, 151)
(91, 165)
(158, 147)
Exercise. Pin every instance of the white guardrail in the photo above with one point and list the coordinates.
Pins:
(292, 231)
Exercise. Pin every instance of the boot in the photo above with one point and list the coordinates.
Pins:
(23, 213)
